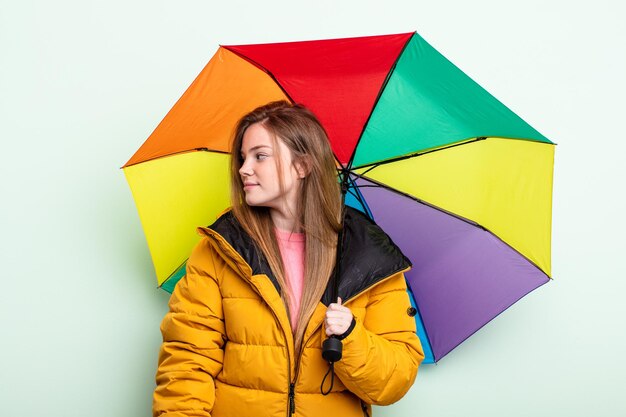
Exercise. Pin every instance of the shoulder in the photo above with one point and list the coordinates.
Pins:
(230, 229)
(368, 256)
(207, 251)
(234, 244)
(364, 238)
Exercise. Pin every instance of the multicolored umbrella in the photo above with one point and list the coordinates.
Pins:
(460, 183)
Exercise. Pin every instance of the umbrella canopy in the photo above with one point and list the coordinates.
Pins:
(461, 184)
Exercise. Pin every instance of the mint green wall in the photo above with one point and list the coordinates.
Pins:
(82, 85)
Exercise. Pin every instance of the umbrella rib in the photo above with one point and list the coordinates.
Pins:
(378, 184)
(430, 345)
(458, 216)
(416, 154)
(177, 153)
(172, 274)
(462, 142)
(359, 197)
(380, 93)
(262, 68)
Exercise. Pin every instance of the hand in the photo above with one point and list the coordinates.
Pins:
(338, 319)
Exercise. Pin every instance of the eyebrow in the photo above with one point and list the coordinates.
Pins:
(256, 147)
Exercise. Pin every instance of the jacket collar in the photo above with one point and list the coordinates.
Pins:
(368, 254)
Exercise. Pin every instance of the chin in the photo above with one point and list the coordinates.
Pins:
(253, 203)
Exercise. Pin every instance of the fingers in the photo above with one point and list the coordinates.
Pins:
(338, 306)
(334, 314)
(336, 329)
(338, 318)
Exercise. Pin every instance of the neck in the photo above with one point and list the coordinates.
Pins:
(284, 220)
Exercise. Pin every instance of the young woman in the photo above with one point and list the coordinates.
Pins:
(246, 325)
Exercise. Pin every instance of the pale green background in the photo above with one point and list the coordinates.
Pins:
(82, 85)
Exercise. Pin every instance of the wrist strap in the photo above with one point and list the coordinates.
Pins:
(347, 332)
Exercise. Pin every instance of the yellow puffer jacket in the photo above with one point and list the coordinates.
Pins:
(228, 347)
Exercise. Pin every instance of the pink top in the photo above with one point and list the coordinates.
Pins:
(291, 247)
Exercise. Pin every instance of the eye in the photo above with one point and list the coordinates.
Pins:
(261, 156)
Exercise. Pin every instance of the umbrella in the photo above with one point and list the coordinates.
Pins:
(461, 183)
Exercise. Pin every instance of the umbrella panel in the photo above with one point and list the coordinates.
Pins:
(463, 276)
(173, 196)
(427, 103)
(204, 117)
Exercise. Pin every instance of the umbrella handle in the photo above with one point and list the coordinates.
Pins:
(332, 348)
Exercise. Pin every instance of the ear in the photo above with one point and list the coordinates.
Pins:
(303, 166)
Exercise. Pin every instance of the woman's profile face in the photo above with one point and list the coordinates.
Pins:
(260, 174)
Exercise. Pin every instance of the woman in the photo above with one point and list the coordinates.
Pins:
(244, 333)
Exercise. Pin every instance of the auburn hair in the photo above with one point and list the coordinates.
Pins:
(318, 207)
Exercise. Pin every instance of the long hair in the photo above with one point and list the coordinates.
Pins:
(318, 207)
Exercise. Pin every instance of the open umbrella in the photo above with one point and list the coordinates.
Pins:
(461, 184)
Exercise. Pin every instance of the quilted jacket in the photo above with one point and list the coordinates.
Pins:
(228, 348)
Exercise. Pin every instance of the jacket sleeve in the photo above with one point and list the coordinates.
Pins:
(191, 355)
(382, 353)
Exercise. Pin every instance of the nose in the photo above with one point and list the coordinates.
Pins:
(245, 169)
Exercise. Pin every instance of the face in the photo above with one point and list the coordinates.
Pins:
(260, 174)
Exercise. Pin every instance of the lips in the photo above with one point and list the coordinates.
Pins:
(248, 185)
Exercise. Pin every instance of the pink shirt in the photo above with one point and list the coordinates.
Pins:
(291, 247)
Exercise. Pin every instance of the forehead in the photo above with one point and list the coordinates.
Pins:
(256, 136)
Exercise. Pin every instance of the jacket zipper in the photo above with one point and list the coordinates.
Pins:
(291, 397)
(364, 408)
